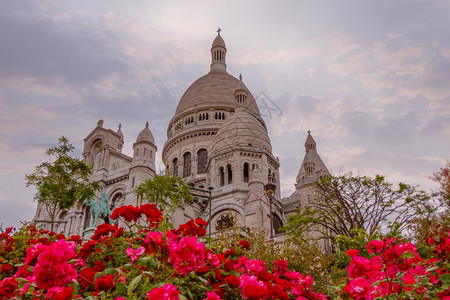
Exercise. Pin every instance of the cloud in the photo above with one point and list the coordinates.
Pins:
(372, 87)
(393, 36)
(35, 48)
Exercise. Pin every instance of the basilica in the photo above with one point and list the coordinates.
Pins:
(217, 141)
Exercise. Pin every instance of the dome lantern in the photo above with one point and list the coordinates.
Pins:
(218, 53)
(241, 94)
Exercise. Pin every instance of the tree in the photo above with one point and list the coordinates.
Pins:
(346, 202)
(165, 191)
(434, 217)
(443, 178)
(62, 181)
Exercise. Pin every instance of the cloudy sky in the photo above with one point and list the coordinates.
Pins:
(370, 79)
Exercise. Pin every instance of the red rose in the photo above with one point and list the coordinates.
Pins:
(86, 277)
(244, 244)
(233, 281)
(352, 252)
(6, 268)
(104, 283)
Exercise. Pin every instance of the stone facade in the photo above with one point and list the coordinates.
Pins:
(217, 138)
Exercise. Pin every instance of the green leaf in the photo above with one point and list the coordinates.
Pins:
(110, 271)
(425, 280)
(407, 255)
(182, 297)
(424, 252)
(445, 278)
(148, 261)
(97, 275)
(134, 283)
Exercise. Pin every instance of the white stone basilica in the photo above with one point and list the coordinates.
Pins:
(217, 138)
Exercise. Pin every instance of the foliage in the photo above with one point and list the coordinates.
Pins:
(358, 241)
(143, 262)
(165, 191)
(303, 257)
(61, 181)
(346, 202)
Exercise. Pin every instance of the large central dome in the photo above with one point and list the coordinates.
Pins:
(213, 90)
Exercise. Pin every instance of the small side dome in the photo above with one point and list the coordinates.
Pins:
(243, 130)
(145, 135)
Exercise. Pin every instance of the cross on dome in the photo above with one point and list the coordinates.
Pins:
(218, 31)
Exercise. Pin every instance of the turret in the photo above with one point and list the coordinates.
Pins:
(312, 167)
(144, 149)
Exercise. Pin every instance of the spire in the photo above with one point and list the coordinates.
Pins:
(310, 143)
(218, 53)
(312, 167)
(119, 131)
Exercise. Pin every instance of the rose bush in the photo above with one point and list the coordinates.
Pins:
(141, 262)
(146, 261)
(396, 270)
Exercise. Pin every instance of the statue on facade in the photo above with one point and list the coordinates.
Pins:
(99, 210)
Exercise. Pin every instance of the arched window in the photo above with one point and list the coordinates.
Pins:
(309, 199)
(202, 159)
(230, 174)
(221, 176)
(175, 167)
(187, 164)
(246, 167)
